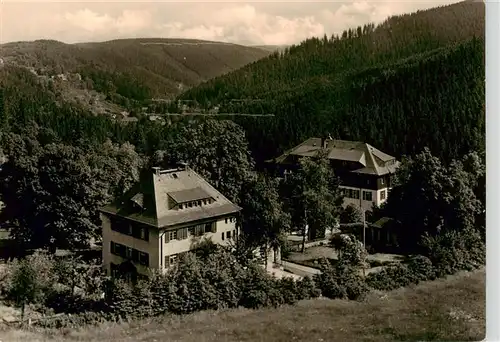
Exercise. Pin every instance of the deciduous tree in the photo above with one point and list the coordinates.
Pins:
(217, 150)
(313, 195)
(429, 197)
(52, 192)
(264, 220)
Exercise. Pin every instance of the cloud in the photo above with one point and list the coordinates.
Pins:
(126, 23)
(244, 24)
(274, 23)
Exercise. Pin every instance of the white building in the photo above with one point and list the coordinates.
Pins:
(163, 216)
(365, 173)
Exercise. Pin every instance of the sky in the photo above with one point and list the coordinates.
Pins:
(240, 22)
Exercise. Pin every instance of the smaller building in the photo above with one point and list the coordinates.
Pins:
(365, 173)
(381, 236)
(165, 215)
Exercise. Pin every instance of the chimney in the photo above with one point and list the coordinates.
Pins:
(182, 165)
(156, 170)
(324, 142)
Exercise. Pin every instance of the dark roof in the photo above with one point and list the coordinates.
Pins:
(178, 218)
(385, 222)
(139, 199)
(160, 191)
(372, 160)
(188, 195)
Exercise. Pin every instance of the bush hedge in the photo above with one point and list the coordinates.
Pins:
(219, 281)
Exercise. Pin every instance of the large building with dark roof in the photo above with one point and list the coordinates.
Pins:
(161, 217)
(365, 172)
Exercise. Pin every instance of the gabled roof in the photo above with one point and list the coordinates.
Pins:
(155, 200)
(371, 160)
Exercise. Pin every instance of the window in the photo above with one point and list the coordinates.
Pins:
(191, 231)
(135, 254)
(190, 204)
(352, 193)
(225, 220)
(199, 203)
(114, 224)
(130, 253)
(382, 181)
(172, 260)
(118, 249)
(172, 235)
(182, 234)
(144, 259)
(199, 230)
(222, 235)
(211, 227)
(133, 229)
(114, 270)
(228, 234)
(234, 233)
(180, 206)
(382, 195)
(367, 195)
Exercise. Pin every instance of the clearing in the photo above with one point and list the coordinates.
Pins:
(312, 256)
(450, 309)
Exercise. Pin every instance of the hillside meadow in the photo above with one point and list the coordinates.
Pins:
(448, 309)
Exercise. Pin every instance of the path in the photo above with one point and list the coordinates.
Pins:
(300, 270)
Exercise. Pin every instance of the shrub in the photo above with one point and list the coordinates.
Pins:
(259, 289)
(288, 289)
(187, 289)
(421, 268)
(224, 271)
(306, 289)
(342, 281)
(120, 298)
(418, 268)
(30, 280)
(73, 321)
(453, 251)
(65, 301)
(390, 278)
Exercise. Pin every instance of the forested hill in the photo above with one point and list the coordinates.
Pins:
(415, 80)
(127, 69)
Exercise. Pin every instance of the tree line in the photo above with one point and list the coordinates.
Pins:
(414, 81)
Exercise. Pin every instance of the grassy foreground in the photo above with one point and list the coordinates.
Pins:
(450, 309)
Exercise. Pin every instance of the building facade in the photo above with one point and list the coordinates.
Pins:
(167, 214)
(365, 173)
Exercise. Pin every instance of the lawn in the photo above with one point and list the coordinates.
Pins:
(312, 256)
(450, 309)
